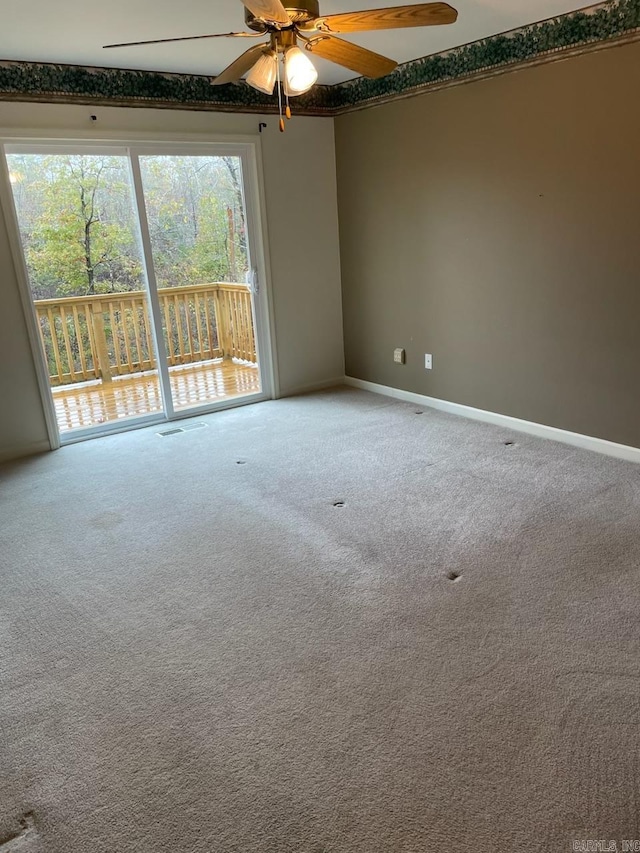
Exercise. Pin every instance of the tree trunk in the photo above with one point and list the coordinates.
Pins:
(233, 269)
(87, 258)
(237, 191)
(88, 221)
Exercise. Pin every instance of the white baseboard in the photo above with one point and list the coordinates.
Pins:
(586, 442)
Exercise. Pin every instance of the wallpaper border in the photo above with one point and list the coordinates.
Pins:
(607, 24)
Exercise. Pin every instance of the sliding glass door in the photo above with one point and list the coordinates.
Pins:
(142, 278)
(79, 237)
(197, 230)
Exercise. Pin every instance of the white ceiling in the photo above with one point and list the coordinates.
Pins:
(73, 31)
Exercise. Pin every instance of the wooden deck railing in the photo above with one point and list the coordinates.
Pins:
(106, 335)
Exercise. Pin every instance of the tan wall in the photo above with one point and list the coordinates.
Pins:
(302, 236)
(22, 427)
(496, 226)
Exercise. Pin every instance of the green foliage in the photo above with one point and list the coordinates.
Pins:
(196, 219)
(79, 229)
(76, 221)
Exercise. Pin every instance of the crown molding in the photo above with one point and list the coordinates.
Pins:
(604, 25)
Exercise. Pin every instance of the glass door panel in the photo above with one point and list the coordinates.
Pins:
(79, 234)
(197, 225)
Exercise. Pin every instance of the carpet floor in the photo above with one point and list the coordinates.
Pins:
(327, 624)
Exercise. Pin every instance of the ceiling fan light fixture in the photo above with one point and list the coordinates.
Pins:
(263, 74)
(299, 72)
(284, 25)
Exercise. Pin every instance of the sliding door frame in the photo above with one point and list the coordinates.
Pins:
(247, 149)
(257, 264)
(28, 309)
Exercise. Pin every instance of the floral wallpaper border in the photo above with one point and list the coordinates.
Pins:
(613, 21)
(594, 26)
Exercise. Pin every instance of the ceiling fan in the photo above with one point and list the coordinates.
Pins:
(287, 26)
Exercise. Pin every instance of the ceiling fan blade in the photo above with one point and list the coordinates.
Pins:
(421, 15)
(185, 38)
(352, 56)
(268, 10)
(232, 73)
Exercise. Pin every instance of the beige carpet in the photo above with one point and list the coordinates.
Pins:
(201, 655)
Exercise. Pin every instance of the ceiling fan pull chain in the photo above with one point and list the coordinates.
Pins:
(279, 88)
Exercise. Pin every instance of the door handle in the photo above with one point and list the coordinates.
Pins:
(254, 281)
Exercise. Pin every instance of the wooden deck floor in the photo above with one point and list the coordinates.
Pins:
(94, 403)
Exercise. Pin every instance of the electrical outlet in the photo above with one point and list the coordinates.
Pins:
(428, 361)
(398, 355)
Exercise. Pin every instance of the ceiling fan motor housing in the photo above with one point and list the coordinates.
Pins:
(301, 13)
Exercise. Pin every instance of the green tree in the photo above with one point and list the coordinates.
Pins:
(79, 231)
(82, 242)
(196, 219)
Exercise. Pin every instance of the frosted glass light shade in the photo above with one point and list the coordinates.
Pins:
(263, 74)
(299, 73)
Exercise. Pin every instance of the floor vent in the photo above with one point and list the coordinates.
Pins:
(176, 430)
